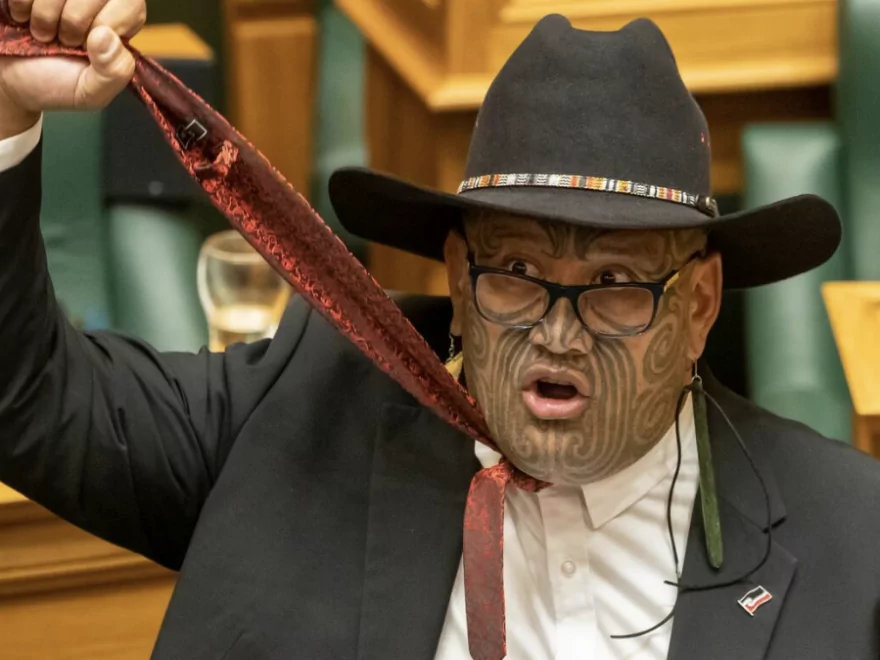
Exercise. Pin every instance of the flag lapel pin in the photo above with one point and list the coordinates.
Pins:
(754, 599)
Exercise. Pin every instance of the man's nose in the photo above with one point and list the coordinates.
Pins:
(561, 331)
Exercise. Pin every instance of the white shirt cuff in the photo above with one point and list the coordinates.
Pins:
(15, 149)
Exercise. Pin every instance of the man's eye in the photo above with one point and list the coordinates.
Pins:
(520, 267)
(613, 276)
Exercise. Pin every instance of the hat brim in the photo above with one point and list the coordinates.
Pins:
(758, 246)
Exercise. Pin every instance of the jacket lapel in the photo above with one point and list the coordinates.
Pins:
(711, 623)
(421, 472)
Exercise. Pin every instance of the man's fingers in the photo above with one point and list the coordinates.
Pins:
(20, 10)
(45, 15)
(125, 17)
(70, 20)
(76, 19)
(111, 68)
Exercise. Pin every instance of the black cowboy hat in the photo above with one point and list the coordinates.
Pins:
(594, 129)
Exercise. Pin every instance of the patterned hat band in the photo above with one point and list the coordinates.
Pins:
(702, 203)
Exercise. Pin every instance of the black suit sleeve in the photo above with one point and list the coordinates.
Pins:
(106, 432)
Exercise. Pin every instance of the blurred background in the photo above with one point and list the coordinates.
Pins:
(791, 91)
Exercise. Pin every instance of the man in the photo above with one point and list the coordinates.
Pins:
(314, 509)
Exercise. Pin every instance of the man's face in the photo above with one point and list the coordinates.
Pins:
(564, 404)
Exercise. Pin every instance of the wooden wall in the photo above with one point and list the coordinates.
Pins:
(272, 53)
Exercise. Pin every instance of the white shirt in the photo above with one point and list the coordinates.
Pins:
(581, 564)
(15, 149)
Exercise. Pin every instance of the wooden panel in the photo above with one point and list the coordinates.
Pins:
(99, 623)
(866, 431)
(467, 47)
(721, 45)
(98, 600)
(420, 65)
(773, 43)
(426, 19)
(272, 86)
(854, 312)
(173, 41)
(41, 553)
(400, 138)
(237, 10)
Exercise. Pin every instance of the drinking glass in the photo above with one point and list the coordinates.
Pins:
(242, 295)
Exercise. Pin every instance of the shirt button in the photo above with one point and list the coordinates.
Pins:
(568, 567)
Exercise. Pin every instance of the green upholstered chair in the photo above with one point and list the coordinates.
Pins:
(122, 267)
(793, 365)
(153, 253)
(858, 119)
(794, 369)
(73, 223)
(127, 268)
(339, 115)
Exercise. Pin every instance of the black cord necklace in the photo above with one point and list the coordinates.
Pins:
(682, 587)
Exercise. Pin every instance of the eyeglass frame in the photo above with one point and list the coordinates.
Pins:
(572, 293)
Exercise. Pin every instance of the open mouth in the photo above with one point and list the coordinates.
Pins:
(549, 390)
(555, 393)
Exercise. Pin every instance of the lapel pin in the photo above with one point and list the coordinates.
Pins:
(754, 599)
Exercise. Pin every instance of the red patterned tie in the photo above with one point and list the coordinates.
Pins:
(290, 235)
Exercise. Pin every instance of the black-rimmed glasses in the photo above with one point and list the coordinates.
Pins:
(609, 310)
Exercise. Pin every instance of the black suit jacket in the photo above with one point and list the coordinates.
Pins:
(314, 509)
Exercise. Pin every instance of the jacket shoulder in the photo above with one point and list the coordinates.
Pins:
(808, 466)
(321, 357)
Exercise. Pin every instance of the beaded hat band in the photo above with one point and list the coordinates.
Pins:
(702, 203)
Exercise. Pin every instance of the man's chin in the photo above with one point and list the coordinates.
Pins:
(544, 449)
(545, 469)
(552, 471)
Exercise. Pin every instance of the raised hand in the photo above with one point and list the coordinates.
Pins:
(29, 86)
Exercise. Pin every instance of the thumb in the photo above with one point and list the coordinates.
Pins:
(111, 69)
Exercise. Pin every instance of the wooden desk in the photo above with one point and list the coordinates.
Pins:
(172, 41)
(430, 62)
(854, 310)
(66, 595)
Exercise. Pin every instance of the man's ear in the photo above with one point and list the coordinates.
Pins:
(455, 256)
(705, 303)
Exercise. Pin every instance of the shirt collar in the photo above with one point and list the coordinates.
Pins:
(609, 497)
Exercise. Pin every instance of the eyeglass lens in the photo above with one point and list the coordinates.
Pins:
(512, 301)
